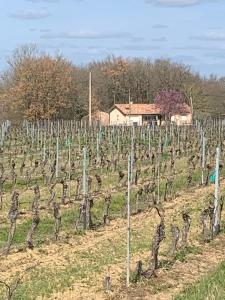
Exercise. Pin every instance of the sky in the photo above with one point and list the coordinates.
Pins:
(186, 31)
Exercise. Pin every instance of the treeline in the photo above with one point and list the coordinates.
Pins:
(39, 86)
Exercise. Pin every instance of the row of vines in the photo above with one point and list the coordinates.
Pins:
(77, 178)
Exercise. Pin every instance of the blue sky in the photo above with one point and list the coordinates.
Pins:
(188, 31)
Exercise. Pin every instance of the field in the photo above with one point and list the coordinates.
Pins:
(80, 207)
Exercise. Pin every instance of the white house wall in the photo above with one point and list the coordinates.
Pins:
(117, 118)
(135, 119)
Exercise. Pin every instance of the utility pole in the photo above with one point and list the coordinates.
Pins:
(90, 97)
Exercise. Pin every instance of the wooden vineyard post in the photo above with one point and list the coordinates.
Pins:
(132, 155)
(118, 143)
(128, 220)
(158, 171)
(219, 131)
(85, 194)
(203, 158)
(97, 149)
(90, 99)
(49, 143)
(217, 206)
(149, 143)
(166, 138)
(84, 172)
(58, 128)
(110, 144)
(40, 139)
(44, 147)
(153, 129)
(51, 127)
(32, 136)
(178, 137)
(57, 157)
(38, 136)
(69, 173)
(79, 140)
(27, 128)
(2, 134)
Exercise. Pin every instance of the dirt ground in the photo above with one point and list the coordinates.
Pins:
(59, 256)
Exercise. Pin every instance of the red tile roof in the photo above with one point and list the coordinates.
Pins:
(138, 109)
(147, 109)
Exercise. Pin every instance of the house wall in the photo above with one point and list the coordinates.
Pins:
(117, 118)
(182, 120)
(136, 119)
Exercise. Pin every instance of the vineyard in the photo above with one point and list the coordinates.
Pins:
(109, 212)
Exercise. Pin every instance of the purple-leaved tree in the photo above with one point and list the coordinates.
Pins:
(171, 103)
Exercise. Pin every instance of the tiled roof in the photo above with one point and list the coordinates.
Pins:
(138, 109)
(147, 109)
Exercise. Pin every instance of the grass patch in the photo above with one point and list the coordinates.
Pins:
(182, 254)
(211, 287)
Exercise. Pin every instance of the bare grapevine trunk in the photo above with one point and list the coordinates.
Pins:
(175, 238)
(35, 219)
(57, 217)
(13, 214)
(186, 228)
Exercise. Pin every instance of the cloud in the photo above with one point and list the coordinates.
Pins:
(42, 30)
(215, 55)
(97, 51)
(215, 28)
(88, 35)
(183, 58)
(136, 48)
(160, 39)
(138, 39)
(5, 51)
(45, 30)
(197, 48)
(159, 26)
(58, 46)
(211, 36)
(49, 1)
(178, 3)
(43, 1)
(30, 14)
